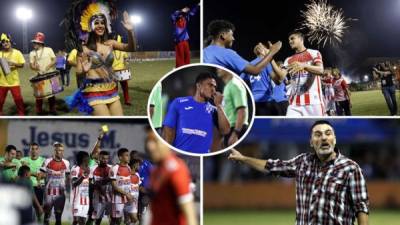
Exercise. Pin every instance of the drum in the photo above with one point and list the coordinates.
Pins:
(4, 66)
(122, 75)
(46, 85)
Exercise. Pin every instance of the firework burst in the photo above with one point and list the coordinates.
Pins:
(324, 23)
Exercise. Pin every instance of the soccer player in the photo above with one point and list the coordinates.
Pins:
(80, 188)
(190, 120)
(43, 60)
(219, 52)
(131, 216)
(99, 175)
(34, 161)
(261, 84)
(156, 107)
(120, 176)
(180, 18)
(172, 199)
(305, 68)
(235, 106)
(10, 164)
(342, 94)
(57, 172)
(329, 92)
(10, 82)
(330, 188)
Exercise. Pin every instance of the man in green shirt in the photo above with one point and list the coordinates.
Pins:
(9, 164)
(235, 106)
(34, 161)
(156, 107)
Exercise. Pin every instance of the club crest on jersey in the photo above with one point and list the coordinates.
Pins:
(209, 108)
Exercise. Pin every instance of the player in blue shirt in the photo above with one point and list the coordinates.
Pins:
(279, 97)
(261, 85)
(219, 52)
(180, 18)
(190, 121)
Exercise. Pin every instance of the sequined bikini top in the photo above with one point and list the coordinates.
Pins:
(97, 60)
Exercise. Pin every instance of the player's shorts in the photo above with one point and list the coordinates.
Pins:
(100, 209)
(132, 207)
(118, 209)
(79, 210)
(56, 201)
(306, 110)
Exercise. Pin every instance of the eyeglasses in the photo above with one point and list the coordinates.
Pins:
(5, 41)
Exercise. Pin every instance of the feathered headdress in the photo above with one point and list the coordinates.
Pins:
(80, 18)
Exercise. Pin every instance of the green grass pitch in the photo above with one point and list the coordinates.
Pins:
(283, 217)
(370, 103)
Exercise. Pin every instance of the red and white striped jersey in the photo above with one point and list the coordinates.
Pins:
(298, 95)
(340, 87)
(329, 93)
(135, 183)
(80, 193)
(56, 173)
(99, 174)
(122, 175)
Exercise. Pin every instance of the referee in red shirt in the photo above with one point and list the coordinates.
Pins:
(330, 188)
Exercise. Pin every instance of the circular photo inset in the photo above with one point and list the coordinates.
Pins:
(201, 109)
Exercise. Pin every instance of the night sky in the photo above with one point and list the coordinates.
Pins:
(154, 33)
(375, 34)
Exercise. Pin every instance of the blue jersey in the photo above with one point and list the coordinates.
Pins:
(180, 20)
(261, 86)
(193, 123)
(279, 92)
(144, 171)
(224, 57)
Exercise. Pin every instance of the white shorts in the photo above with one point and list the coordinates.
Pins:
(80, 210)
(132, 207)
(306, 110)
(101, 209)
(118, 209)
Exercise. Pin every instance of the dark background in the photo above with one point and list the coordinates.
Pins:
(154, 33)
(375, 34)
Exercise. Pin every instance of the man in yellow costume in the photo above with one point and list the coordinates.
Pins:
(10, 82)
(119, 64)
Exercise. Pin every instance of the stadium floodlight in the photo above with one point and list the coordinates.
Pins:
(136, 19)
(24, 13)
(366, 78)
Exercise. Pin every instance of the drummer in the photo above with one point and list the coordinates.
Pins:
(42, 60)
(119, 64)
(10, 82)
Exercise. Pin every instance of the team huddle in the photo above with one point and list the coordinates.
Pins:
(98, 189)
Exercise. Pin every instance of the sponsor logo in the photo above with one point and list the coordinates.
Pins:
(189, 108)
(194, 132)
